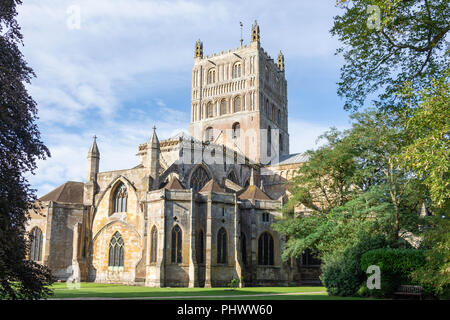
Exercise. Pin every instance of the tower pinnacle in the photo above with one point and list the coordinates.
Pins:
(198, 49)
(255, 32)
(280, 62)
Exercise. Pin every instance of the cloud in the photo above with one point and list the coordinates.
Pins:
(128, 68)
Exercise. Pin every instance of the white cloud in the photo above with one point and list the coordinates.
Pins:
(142, 51)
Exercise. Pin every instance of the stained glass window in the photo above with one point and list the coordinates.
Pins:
(265, 249)
(36, 244)
(199, 178)
(177, 236)
(116, 251)
(222, 246)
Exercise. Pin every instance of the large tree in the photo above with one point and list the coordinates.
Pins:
(386, 43)
(20, 147)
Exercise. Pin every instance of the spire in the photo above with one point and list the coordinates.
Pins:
(93, 151)
(252, 177)
(198, 49)
(255, 32)
(154, 141)
(280, 62)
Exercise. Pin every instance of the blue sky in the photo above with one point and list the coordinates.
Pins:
(128, 67)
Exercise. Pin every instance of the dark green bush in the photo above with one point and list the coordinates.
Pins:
(395, 266)
(342, 275)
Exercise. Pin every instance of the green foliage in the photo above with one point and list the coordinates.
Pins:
(234, 283)
(395, 265)
(409, 45)
(428, 127)
(342, 274)
(435, 274)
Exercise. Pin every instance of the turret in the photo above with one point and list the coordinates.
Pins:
(255, 33)
(93, 161)
(198, 49)
(152, 160)
(91, 179)
(280, 62)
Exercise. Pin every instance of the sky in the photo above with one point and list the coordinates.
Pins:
(125, 66)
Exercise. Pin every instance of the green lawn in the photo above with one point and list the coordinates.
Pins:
(90, 290)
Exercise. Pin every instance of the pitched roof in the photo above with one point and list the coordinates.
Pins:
(254, 193)
(174, 184)
(291, 159)
(71, 192)
(212, 186)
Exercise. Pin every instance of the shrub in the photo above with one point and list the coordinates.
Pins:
(395, 265)
(342, 275)
(234, 283)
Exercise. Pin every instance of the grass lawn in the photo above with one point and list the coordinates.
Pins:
(92, 290)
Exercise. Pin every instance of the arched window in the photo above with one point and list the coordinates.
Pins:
(274, 113)
(280, 137)
(279, 117)
(36, 244)
(267, 108)
(199, 178)
(177, 237)
(236, 130)
(116, 251)
(154, 245)
(209, 136)
(209, 110)
(211, 76)
(237, 104)
(120, 198)
(223, 107)
(265, 249)
(200, 247)
(269, 141)
(222, 246)
(237, 70)
(244, 249)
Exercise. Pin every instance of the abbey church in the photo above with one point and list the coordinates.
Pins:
(197, 209)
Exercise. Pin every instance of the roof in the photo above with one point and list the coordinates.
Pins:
(254, 193)
(174, 184)
(291, 158)
(212, 186)
(71, 192)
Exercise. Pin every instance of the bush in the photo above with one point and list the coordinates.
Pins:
(342, 275)
(395, 265)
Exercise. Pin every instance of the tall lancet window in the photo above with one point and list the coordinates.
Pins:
(265, 249)
(120, 198)
(237, 104)
(116, 251)
(36, 244)
(154, 245)
(177, 237)
(222, 246)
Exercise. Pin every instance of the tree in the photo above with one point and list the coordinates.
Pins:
(20, 147)
(356, 188)
(387, 45)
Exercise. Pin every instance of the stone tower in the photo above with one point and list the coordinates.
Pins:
(239, 99)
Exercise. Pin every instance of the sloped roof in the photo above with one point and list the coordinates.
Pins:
(70, 192)
(291, 159)
(212, 186)
(174, 184)
(254, 193)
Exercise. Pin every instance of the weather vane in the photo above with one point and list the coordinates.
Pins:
(240, 23)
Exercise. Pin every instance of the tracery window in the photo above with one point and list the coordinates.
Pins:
(265, 249)
(36, 244)
(222, 246)
(209, 135)
(232, 177)
(120, 198)
(116, 251)
(177, 237)
(199, 178)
